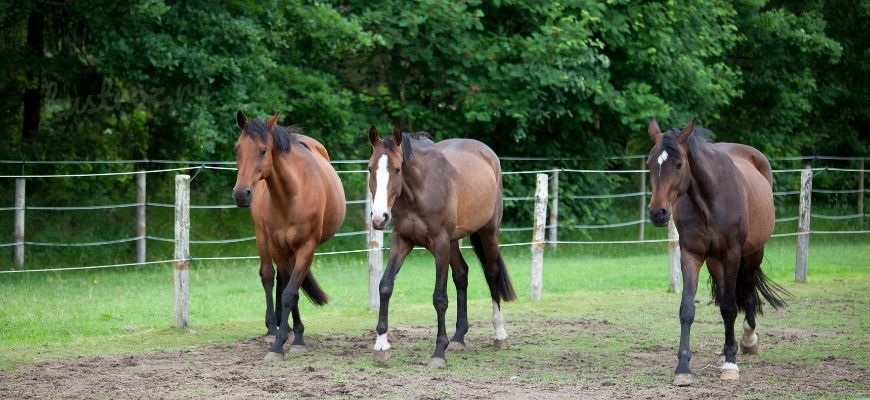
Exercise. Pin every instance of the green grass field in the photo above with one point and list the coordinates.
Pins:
(65, 314)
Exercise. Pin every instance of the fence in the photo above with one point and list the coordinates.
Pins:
(543, 196)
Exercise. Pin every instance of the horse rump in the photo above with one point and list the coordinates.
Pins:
(313, 291)
(505, 288)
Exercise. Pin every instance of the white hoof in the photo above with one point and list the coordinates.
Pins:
(382, 356)
(272, 356)
(730, 372)
(455, 346)
(749, 345)
(501, 344)
(437, 362)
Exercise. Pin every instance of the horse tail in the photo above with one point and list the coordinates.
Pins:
(313, 291)
(503, 280)
(761, 284)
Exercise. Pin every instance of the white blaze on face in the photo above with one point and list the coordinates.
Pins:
(381, 343)
(498, 322)
(382, 179)
(663, 157)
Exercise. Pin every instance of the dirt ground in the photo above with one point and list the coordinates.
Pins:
(341, 366)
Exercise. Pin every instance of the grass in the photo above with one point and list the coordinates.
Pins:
(67, 314)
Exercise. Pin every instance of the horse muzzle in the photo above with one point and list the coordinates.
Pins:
(659, 216)
(380, 222)
(243, 196)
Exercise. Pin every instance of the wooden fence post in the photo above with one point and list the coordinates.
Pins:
(642, 203)
(675, 270)
(803, 239)
(375, 246)
(182, 250)
(140, 216)
(861, 189)
(19, 222)
(554, 210)
(538, 239)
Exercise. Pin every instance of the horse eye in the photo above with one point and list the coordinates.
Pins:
(397, 170)
(679, 165)
(262, 152)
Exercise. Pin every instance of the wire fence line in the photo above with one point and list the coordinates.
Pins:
(215, 165)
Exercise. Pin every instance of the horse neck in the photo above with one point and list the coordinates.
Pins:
(709, 181)
(285, 180)
(425, 168)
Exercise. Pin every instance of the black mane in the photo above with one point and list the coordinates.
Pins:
(406, 144)
(698, 139)
(282, 137)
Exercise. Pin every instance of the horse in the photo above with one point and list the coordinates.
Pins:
(721, 199)
(436, 194)
(297, 202)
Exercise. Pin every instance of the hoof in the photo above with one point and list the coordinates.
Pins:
(272, 356)
(437, 362)
(298, 348)
(682, 379)
(455, 346)
(729, 375)
(269, 339)
(501, 344)
(749, 346)
(382, 356)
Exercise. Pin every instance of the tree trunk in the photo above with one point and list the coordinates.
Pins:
(32, 99)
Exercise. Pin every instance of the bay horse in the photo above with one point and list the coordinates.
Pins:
(720, 196)
(436, 194)
(297, 202)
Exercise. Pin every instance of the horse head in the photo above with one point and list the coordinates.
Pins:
(385, 174)
(253, 155)
(668, 169)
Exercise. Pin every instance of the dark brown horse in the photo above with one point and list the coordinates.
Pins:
(437, 194)
(297, 202)
(721, 199)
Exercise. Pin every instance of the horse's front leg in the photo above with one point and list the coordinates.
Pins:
(399, 249)
(691, 265)
(460, 280)
(441, 251)
(298, 266)
(267, 277)
(724, 272)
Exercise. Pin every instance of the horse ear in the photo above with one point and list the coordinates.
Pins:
(241, 119)
(374, 136)
(270, 123)
(653, 128)
(686, 132)
(397, 134)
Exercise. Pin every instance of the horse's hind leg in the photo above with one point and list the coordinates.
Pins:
(460, 280)
(749, 341)
(490, 258)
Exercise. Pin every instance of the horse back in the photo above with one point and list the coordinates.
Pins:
(477, 181)
(755, 171)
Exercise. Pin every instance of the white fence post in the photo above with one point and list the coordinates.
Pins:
(19, 222)
(803, 239)
(554, 211)
(642, 203)
(140, 216)
(675, 271)
(538, 239)
(861, 189)
(182, 251)
(375, 246)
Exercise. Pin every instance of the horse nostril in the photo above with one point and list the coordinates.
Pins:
(248, 192)
(663, 211)
(386, 216)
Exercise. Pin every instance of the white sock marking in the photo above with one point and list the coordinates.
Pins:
(381, 343)
(498, 322)
(729, 367)
(382, 179)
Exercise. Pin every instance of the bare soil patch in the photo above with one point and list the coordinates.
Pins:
(341, 366)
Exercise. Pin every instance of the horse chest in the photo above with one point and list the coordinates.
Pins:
(413, 227)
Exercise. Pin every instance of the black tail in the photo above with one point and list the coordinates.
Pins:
(313, 291)
(505, 288)
(770, 290)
